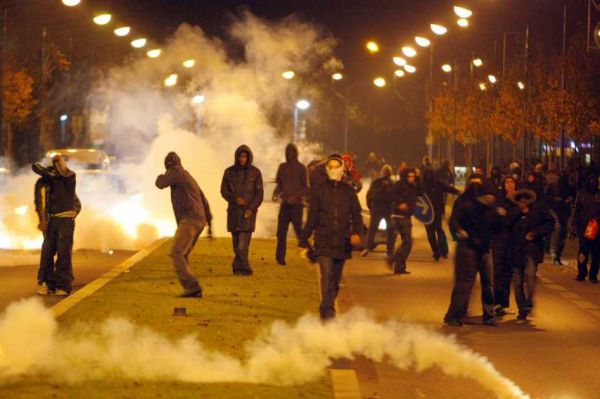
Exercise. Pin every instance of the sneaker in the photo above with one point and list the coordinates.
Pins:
(281, 262)
(500, 311)
(522, 316)
(192, 293)
(557, 262)
(579, 278)
(453, 323)
(44, 290)
(402, 272)
(246, 272)
(594, 280)
(490, 322)
(61, 293)
(364, 252)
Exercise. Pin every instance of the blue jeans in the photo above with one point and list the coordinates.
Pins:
(241, 248)
(331, 274)
(524, 285)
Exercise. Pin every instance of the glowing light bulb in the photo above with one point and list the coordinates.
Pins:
(139, 43)
(154, 53)
(122, 31)
(102, 19)
(189, 63)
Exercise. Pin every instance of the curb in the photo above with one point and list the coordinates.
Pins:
(63, 306)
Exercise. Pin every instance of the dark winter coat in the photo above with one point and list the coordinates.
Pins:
(503, 236)
(404, 193)
(538, 221)
(55, 193)
(587, 206)
(379, 196)
(478, 217)
(435, 190)
(187, 198)
(334, 215)
(292, 178)
(243, 182)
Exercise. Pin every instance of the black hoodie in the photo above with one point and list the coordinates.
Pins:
(292, 178)
(187, 198)
(242, 182)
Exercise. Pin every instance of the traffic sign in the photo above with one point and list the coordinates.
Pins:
(424, 210)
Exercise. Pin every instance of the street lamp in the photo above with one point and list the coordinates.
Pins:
(189, 63)
(71, 3)
(462, 12)
(438, 29)
(301, 105)
(492, 79)
(447, 68)
(410, 69)
(463, 22)
(337, 76)
(399, 73)
(154, 53)
(289, 75)
(477, 62)
(482, 86)
(171, 80)
(372, 47)
(102, 19)
(63, 128)
(399, 61)
(198, 100)
(379, 82)
(139, 43)
(521, 85)
(409, 51)
(422, 41)
(122, 31)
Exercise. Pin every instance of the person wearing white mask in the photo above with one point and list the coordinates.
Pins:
(334, 216)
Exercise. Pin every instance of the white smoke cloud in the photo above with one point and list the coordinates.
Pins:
(247, 102)
(284, 354)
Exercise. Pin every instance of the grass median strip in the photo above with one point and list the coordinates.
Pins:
(234, 310)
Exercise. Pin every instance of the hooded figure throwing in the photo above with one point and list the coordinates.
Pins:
(57, 206)
(334, 216)
(192, 213)
(242, 188)
(292, 189)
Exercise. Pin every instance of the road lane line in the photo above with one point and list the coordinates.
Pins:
(587, 305)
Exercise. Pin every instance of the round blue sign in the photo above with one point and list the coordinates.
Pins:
(424, 210)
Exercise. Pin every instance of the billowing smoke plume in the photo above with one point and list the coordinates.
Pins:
(246, 102)
(283, 355)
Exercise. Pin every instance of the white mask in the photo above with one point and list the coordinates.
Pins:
(335, 174)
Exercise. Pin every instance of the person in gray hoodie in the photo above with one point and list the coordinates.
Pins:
(192, 214)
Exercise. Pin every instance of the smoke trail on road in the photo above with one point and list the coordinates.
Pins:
(284, 354)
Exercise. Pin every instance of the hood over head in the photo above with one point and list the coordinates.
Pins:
(291, 152)
(246, 149)
(172, 160)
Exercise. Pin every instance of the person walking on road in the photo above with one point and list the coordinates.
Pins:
(404, 199)
(192, 214)
(292, 189)
(334, 216)
(57, 206)
(379, 202)
(435, 190)
(586, 215)
(475, 218)
(533, 224)
(242, 188)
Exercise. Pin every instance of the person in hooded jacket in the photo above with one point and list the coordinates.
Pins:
(500, 247)
(404, 194)
(292, 189)
(192, 214)
(57, 206)
(379, 202)
(435, 190)
(242, 188)
(351, 174)
(475, 219)
(334, 215)
(559, 197)
(587, 208)
(533, 224)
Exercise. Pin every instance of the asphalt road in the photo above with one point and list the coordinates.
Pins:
(20, 281)
(554, 355)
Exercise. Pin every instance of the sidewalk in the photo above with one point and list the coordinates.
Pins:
(234, 310)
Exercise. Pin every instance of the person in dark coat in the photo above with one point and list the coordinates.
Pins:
(379, 202)
(587, 207)
(242, 188)
(372, 166)
(192, 214)
(559, 198)
(292, 189)
(316, 173)
(435, 190)
(57, 206)
(533, 223)
(404, 200)
(502, 261)
(533, 183)
(474, 220)
(334, 216)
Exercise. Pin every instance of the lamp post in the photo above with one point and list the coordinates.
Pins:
(64, 118)
(301, 105)
(197, 101)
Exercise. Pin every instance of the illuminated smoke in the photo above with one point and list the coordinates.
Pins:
(282, 355)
